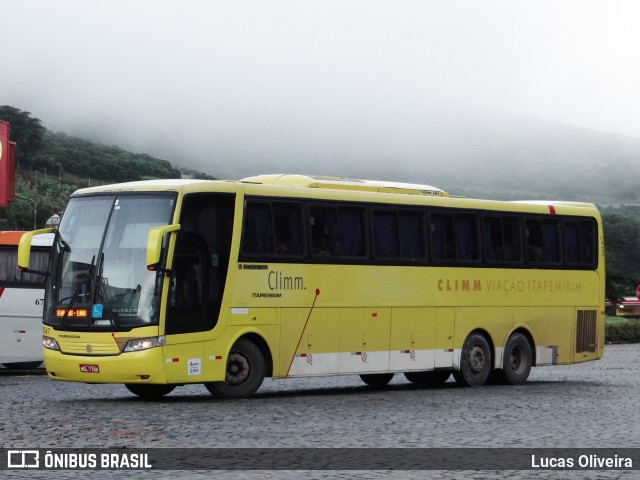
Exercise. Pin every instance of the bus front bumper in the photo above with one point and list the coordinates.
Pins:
(131, 367)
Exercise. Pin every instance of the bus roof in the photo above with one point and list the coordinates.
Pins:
(142, 185)
(341, 183)
(333, 186)
(282, 180)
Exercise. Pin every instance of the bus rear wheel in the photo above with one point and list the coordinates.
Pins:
(376, 379)
(475, 361)
(245, 372)
(149, 391)
(433, 378)
(517, 360)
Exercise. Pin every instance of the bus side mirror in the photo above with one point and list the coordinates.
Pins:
(154, 244)
(24, 248)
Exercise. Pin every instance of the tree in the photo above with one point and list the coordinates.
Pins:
(622, 254)
(33, 207)
(26, 131)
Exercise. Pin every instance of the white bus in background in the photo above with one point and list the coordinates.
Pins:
(21, 302)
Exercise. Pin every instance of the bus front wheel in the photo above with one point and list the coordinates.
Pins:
(149, 391)
(245, 372)
(376, 379)
(518, 357)
(475, 361)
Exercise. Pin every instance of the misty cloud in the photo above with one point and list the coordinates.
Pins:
(360, 88)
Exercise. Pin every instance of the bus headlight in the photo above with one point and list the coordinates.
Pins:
(143, 343)
(50, 343)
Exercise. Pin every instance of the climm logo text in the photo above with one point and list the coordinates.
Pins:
(276, 280)
(447, 285)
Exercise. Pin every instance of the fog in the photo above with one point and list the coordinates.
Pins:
(367, 88)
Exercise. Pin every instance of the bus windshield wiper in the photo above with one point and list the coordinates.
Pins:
(103, 294)
(84, 279)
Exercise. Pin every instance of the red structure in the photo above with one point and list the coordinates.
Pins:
(7, 166)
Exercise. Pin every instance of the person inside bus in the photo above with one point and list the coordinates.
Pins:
(281, 247)
(321, 246)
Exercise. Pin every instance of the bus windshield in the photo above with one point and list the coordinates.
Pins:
(98, 272)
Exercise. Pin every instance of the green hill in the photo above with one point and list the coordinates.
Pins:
(50, 166)
(62, 155)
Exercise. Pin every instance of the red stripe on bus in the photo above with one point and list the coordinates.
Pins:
(313, 304)
(1, 291)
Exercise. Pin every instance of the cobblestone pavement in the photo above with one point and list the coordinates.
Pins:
(591, 405)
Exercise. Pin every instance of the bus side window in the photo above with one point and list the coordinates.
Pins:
(443, 245)
(398, 234)
(337, 231)
(579, 242)
(411, 235)
(287, 229)
(551, 238)
(534, 241)
(351, 225)
(324, 231)
(257, 236)
(273, 229)
(466, 237)
(543, 241)
(588, 242)
(385, 234)
(502, 239)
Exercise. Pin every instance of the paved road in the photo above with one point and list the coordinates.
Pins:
(591, 405)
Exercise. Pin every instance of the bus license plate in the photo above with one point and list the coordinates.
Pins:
(85, 368)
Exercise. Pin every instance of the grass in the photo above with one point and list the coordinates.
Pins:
(621, 330)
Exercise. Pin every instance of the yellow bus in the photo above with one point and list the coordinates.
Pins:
(158, 284)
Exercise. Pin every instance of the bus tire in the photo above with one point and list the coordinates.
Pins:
(517, 359)
(245, 372)
(475, 361)
(376, 379)
(432, 378)
(22, 365)
(149, 390)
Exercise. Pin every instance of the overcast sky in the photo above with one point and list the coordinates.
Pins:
(242, 86)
